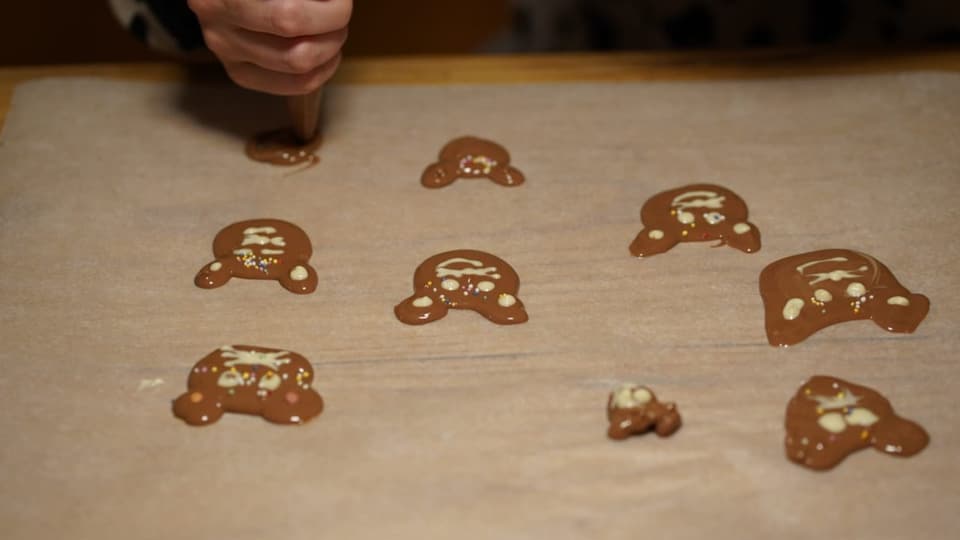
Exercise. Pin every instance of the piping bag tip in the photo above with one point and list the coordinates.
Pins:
(305, 113)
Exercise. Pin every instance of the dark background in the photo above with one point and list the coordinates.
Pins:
(85, 31)
(71, 31)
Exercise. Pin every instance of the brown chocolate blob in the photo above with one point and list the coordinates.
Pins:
(807, 292)
(261, 249)
(695, 213)
(270, 383)
(463, 279)
(471, 157)
(634, 410)
(829, 419)
(283, 147)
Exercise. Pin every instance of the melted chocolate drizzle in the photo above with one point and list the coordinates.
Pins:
(283, 147)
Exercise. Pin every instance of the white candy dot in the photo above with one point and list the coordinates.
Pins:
(299, 273)
(486, 286)
(450, 284)
(898, 301)
(215, 267)
(506, 300)
(741, 228)
(856, 289)
(822, 295)
(422, 302)
(655, 234)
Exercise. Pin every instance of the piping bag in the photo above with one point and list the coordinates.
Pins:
(305, 112)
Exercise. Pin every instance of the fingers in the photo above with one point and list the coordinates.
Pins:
(254, 77)
(283, 47)
(285, 18)
(299, 55)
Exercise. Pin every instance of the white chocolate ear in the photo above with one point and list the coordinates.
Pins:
(486, 286)
(856, 290)
(270, 381)
(832, 422)
(792, 308)
(450, 284)
(861, 416)
(229, 379)
(652, 241)
(422, 302)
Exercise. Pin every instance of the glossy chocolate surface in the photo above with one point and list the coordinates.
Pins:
(283, 147)
(463, 279)
(695, 213)
(261, 249)
(244, 379)
(804, 293)
(634, 410)
(829, 419)
(472, 157)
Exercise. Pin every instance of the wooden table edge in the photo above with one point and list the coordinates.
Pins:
(530, 68)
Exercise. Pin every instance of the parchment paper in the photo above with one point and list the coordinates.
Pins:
(111, 194)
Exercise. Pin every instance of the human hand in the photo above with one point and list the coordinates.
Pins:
(283, 47)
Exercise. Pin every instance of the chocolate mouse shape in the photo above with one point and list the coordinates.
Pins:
(804, 293)
(261, 249)
(472, 157)
(634, 410)
(271, 383)
(695, 213)
(829, 418)
(463, 279)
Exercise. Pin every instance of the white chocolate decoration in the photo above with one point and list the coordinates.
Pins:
(422, 302)
(628, 396)
(267, 251)
(299, 273)
(450, 284)
(714, 218)
(791, 310)
(272, 360)
(486, 286)
(832, 422)
(856, 289)
(215, 267)
(898, 301)
(843, 399)
(269, 381)
(243, 251)
(506, 300)
(803, 266)
(861, 417)
(705, 199)
(835, 275)
(685, 217)
(477, 269)
(835, 422)
(259, 240)
(259, 230)
(229, 379)
(741, 228)
(822, 295)
(655, 234)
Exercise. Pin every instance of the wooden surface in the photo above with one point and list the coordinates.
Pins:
(535, 68)
(111, 192)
